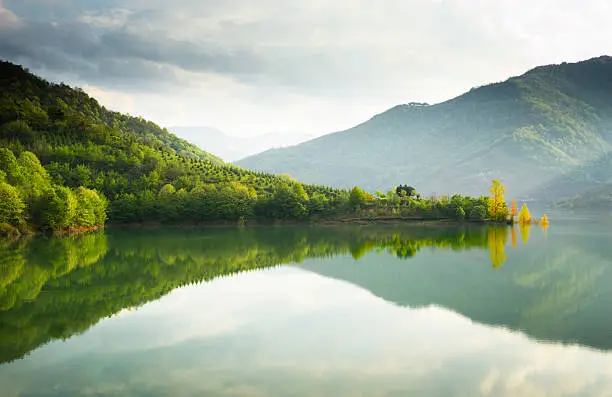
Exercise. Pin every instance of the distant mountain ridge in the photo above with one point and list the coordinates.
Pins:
(232, 147)
(528, 131)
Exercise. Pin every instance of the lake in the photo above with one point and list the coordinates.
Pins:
(422, 310)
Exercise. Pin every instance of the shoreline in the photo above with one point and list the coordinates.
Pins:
(254, 224)
(319, 222)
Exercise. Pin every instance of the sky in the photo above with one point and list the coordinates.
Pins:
(309, 67)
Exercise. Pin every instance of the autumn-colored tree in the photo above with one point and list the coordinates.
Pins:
(544, 221)
(498, 209)
(524, 217)
(513, 208)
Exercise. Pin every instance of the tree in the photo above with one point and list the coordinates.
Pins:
(167, 190)
(460, 213)
(61, 209)
(357, 198)
(479, 213)
(11, 205)
(91, 208)
(544, 221)
(498, 209)
(8, 164)
(513, 209)
(524, 217)
(405, 191)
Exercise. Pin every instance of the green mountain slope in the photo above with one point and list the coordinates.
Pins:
(77, 109)
(145, 172)
(598, 198)
(527, 131)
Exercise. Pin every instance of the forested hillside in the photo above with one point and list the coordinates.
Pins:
(145, 173)
(530, 131)
(29, 199)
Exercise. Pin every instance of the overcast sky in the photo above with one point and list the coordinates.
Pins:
(310, 66)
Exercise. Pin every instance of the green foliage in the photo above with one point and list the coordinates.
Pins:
(478, 213)
(460, 213)
(405, 191)
(8, 231)
(62, 209)
(11, 205)
(29, 195)
(357, 198)
(145, 173)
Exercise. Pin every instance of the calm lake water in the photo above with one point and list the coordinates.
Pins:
(318, 311)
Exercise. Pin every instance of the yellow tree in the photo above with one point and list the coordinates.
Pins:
(498, 209)
(524, 217)
(544, 221)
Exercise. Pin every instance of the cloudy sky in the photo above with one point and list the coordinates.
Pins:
(249, 67)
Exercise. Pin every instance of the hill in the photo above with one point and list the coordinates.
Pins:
(233, 148)
(598, 198)
(529, 131)
(53, 136)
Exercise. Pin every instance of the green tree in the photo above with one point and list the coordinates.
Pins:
(479, 213)
(61, 211)
(11, 205)
(460, 213)
(357, 198)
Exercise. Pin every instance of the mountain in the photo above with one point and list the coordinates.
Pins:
(528, 131)
(598, 198)
(232, 147)
(54, 137)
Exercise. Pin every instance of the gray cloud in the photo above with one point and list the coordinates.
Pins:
(373, 52)
(315, 49)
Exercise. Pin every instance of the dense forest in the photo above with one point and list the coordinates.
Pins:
(30, 198)
(54, 288)
(68, 163)
(145, 173)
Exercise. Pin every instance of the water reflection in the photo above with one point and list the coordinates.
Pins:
(288, 331)
(428, 310)
(55, 288)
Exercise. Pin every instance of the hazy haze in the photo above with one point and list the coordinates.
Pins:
(308, 67)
